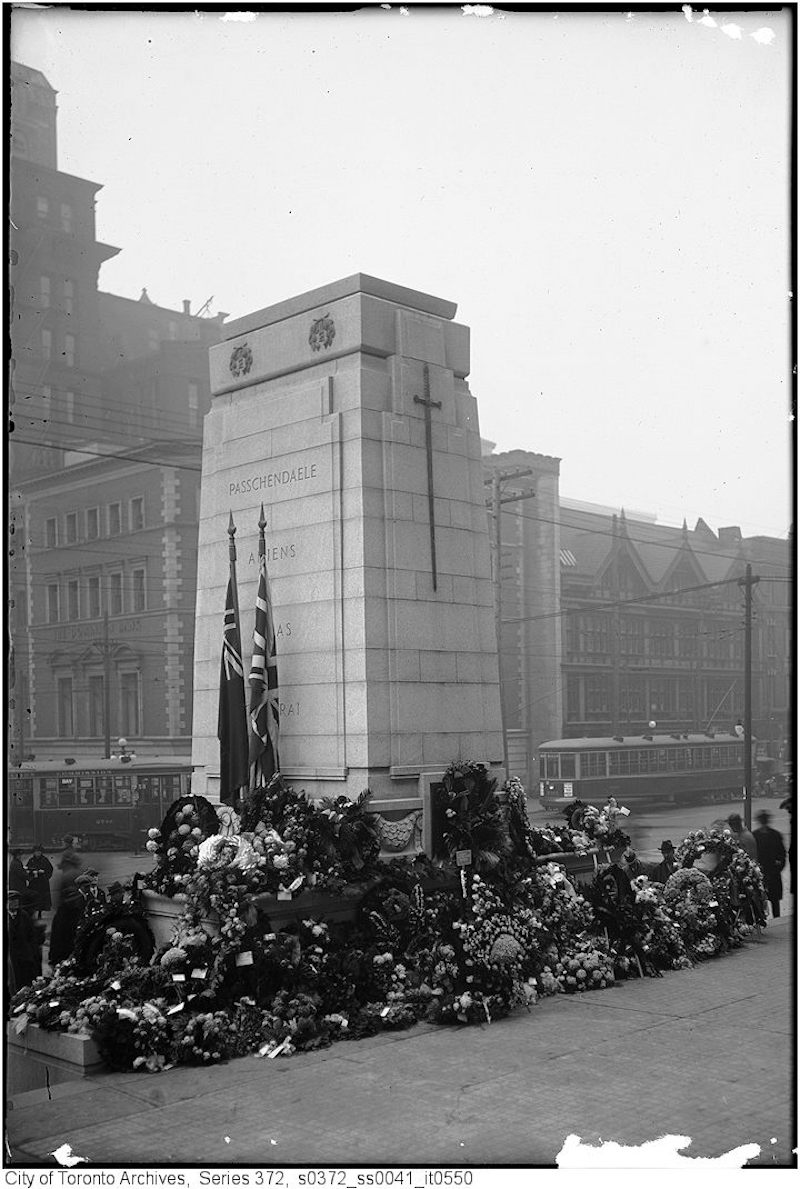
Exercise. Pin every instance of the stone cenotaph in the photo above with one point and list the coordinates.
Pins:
(346, 412)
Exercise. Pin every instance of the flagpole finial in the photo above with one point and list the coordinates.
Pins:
(262, 520)
(231, 526)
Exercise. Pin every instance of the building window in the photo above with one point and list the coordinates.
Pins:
(662, 696)
(44, 292)
(73, 602)
(573, 698)
(661, 639)
(66, 217)
(69, 407)
(114, 519)
(687, 641)
(194, 405)
(69, 350)
(64, 697)
(96, 706)
(138, 588)
(137, 513)
(42, 208)
(47, 343)
(93, 590)
(51, 532)
(596, 697)
(129, 692)
(115, 594)
(92, 524)
(52, 602)
(69, 297)
(152, 340)
(71, 528)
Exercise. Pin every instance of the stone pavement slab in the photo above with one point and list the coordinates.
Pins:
(707, 1053)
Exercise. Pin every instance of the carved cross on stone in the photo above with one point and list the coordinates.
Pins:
(429, 404)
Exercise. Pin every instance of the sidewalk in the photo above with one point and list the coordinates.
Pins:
(706, 1053)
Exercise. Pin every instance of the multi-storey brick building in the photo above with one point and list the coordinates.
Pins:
(634, 622)
(108, 396)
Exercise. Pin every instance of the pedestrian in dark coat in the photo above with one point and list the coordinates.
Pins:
(24, 958)
(69, 908)
(772, 860)
(40, 872)
(788, 805)
(17, 877)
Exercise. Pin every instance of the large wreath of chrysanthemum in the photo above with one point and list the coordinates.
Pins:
(688, 884)
(226, 850)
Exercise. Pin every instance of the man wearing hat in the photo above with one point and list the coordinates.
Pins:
(24, 961)
(663, 870)
(742, 836)
(771, 858)
(94, 898)
(116, 894)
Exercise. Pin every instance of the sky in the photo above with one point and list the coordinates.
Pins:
(605, 195)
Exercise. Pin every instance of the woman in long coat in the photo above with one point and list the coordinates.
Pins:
(40, 872)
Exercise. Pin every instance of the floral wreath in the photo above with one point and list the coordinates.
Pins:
(226, 850)
(688, 884)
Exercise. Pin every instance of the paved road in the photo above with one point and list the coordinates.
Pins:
(706, 1053)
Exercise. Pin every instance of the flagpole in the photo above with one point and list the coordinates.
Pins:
(264, 715)
(257, 773)
(232, 720)
(232, 560)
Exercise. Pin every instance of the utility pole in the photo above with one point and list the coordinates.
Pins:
(106, 686)
(495, 504)
(748, 582)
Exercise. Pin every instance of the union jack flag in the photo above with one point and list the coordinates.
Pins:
(232, 720)
(264, 697)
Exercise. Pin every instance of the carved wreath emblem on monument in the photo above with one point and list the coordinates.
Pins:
(322, 333)
(241, 360)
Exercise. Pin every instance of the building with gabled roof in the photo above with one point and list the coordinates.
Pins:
(638, 622)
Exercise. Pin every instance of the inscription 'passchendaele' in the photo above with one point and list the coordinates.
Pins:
(281, 478)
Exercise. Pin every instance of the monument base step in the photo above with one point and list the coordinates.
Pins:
(38, 1058)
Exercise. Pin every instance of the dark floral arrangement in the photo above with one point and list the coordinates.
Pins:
(187, 823)
(472, 821)
(451, 942)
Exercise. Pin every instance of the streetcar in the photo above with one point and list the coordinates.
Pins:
(641, 770)
(103, 804)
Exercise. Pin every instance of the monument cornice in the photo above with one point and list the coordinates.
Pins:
(359, 282)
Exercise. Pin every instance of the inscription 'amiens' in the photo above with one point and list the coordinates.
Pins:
(282, 478)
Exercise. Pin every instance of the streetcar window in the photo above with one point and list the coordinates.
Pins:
(567, 767)
(552, 767)
(104, 789)
(122, 790)
(48, 790)
(662, 759)
(147, 788)
(620, 763)
(593, 763)
(542, 768)
(673, 758)
(66, 790)
(86, 790)
(715, 757)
